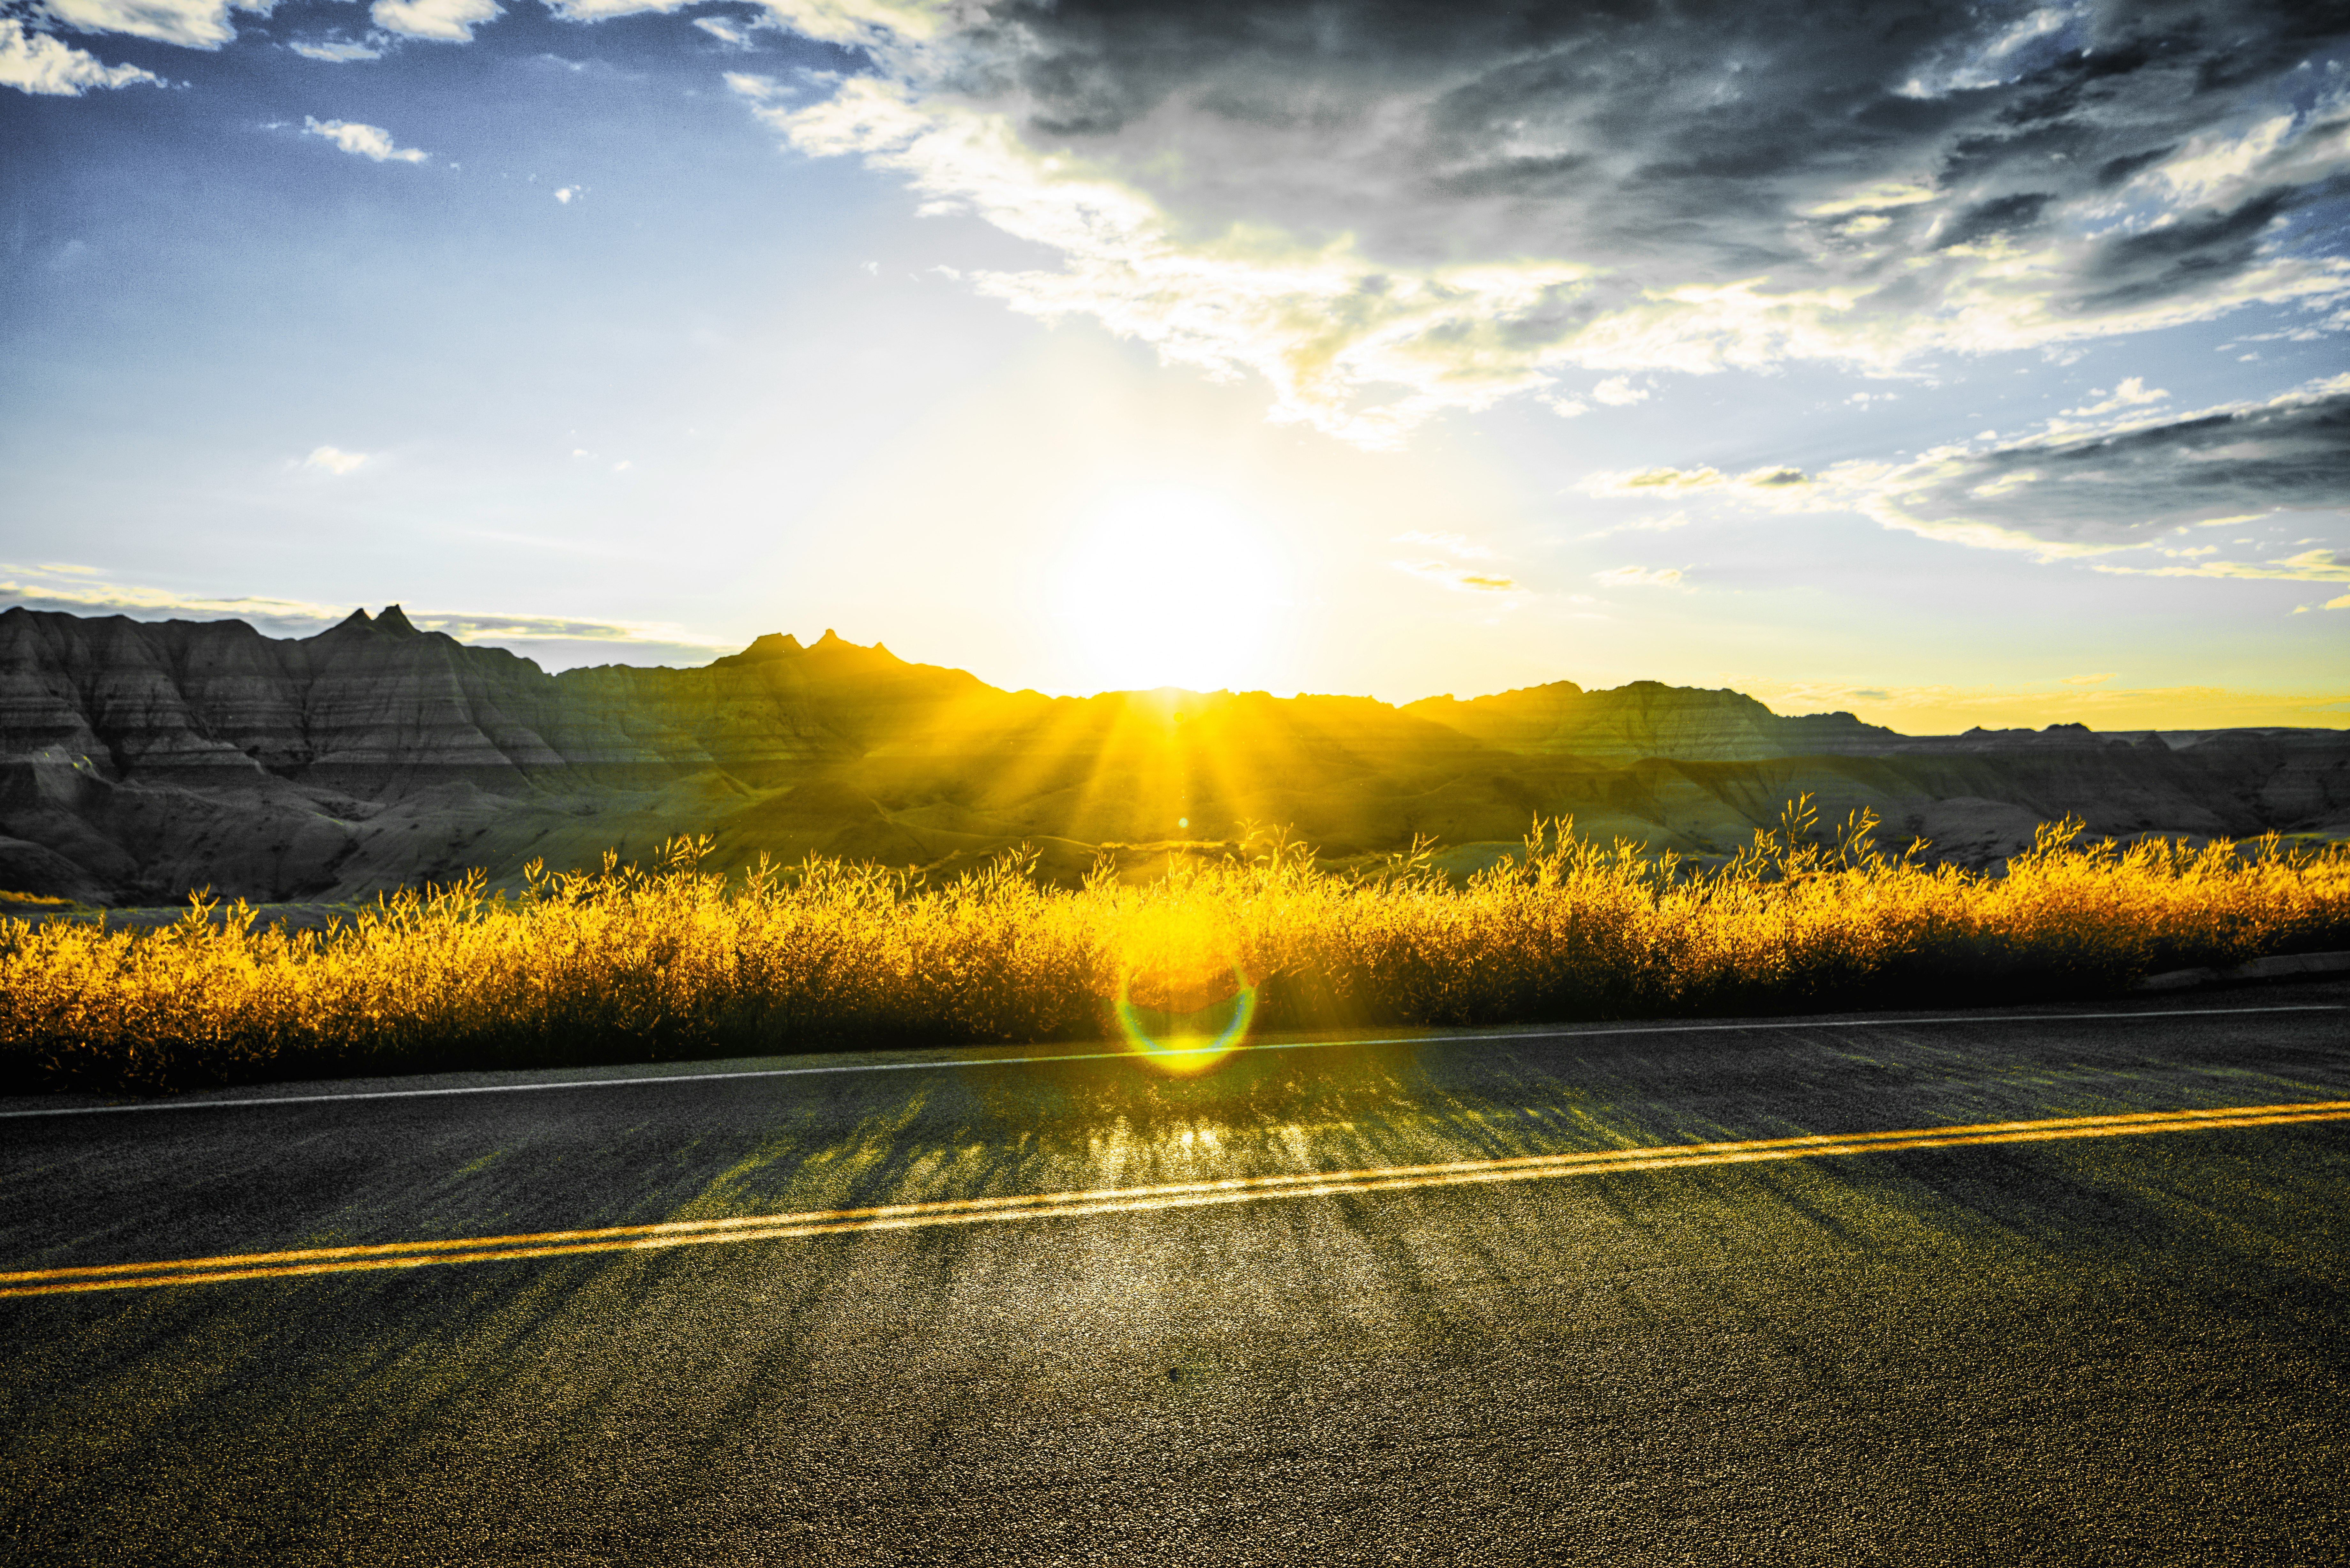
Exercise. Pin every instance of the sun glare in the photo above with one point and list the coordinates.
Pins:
(1172, 589)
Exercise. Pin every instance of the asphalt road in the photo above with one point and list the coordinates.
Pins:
(2126, 1347)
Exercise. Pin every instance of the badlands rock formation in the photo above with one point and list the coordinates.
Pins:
(374, 707)
(138, 760)
(1649, 720)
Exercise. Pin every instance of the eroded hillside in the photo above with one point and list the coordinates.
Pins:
(138, 760)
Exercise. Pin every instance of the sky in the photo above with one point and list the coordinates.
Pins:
(1946, 364)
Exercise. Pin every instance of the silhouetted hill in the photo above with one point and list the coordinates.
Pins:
(140, 758)
(1647, 719)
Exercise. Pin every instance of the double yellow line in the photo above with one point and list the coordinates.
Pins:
(1126, 1200)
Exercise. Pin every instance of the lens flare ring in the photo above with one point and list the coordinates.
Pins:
(1187, 1043)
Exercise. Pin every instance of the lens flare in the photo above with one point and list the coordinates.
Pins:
(1186, 1023)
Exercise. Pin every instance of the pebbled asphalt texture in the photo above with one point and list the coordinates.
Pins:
(2131, 1349)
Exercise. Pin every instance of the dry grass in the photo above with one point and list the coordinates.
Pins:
(624, 964)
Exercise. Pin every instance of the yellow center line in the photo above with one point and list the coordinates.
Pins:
(1131, 1199)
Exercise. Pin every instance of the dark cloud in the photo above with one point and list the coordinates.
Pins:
(2294, 455)
(2146, 487)
(1689, 137)
(2139, 486)
(1620, 186)
(2005, 215)
(2182, 256)
(2114, 170)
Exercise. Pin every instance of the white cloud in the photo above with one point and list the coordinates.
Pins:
(36, 63)
(2006, 484)
(190, 24)
(869, 24)
(444, 21)
(727, 30)
(567, 193)
(605, 10)
(2309, 567)
(1767, 486)
(1977, 63)
(756, 87)
(1646, 481)
(1323, 328)
(1642, 577)
(332, 460)
(1877, 198)
(2212, 166)
(1617, 391)
(2039, 24)
(2131, 392)
(1459, 579)
(365, 140)
(339, 51)
(470, 628)
(81, 597)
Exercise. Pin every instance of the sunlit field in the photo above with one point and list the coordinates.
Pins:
(631, 964)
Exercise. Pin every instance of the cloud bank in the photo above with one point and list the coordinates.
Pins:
(2148, 485)
(36, 63)
(1388, 209)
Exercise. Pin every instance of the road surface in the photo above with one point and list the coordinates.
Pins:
(2059, 1285)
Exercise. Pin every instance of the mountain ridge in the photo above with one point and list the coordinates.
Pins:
(140, 758)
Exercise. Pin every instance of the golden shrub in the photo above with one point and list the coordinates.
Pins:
(623, 963)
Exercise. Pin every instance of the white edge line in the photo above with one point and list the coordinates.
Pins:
(1109, 1055)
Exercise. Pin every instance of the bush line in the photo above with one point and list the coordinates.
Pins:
(626, 964)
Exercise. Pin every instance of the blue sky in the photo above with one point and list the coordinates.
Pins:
(1949, 365)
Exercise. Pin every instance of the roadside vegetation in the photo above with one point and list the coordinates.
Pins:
(634, 964)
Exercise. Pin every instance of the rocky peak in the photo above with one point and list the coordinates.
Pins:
(358, 624)
(775, 645)
(392, 622)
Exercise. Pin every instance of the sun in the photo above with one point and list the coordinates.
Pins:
(1173, 587)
